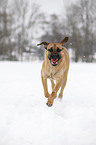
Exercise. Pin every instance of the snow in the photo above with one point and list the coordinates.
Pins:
(25, 119)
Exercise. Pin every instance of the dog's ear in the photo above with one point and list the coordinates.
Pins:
(64, 41)
(45, 44)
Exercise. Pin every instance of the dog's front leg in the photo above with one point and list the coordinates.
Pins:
(44, 82)
(54, 92)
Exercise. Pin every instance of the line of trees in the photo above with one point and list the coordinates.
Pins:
(22, 25)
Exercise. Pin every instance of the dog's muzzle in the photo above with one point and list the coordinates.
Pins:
(54, 58)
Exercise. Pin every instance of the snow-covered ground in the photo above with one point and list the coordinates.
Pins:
(25, 119)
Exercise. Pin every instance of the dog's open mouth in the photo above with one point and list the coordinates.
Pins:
(54, 62)
(54, 58)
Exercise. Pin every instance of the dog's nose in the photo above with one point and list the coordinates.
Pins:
(54, 55)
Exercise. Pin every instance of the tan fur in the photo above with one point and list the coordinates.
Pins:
(57, 73)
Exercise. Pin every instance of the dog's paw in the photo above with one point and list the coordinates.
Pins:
(49, 103)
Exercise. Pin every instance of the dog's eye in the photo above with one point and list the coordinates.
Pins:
(58, 49)
(50, 50)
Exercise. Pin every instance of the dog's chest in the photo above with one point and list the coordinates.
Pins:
(51, 77)
(52, 74)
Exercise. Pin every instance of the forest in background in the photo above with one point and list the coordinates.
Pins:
(23, 25)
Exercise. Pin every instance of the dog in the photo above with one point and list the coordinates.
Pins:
(55, 67)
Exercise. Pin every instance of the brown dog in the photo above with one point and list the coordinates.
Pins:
(55, 67)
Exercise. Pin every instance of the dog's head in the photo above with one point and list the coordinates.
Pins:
(54, 50)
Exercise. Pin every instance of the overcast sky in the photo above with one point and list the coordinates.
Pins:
(53, 6)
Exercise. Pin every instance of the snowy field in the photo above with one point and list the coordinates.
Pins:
(25, 119)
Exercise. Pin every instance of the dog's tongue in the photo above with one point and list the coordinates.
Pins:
(54, 61)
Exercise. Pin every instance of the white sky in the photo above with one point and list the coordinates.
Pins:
(53, 6)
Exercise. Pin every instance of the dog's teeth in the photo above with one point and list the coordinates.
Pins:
(54, 61)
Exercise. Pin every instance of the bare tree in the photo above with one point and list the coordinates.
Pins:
(74, 31)
(27, 18)
(5, 30)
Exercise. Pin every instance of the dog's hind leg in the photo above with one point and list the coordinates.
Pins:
(63, 85)
(44, 82)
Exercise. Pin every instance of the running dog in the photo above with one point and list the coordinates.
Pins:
(55, 67)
